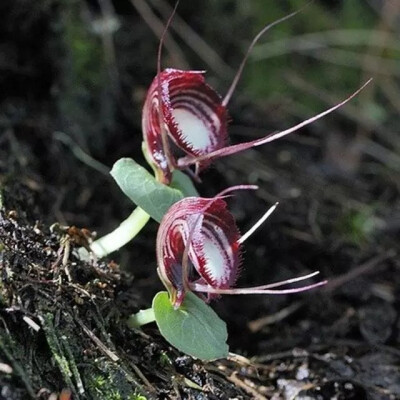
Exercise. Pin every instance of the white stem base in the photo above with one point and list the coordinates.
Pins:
(119, 237)
(142, 317)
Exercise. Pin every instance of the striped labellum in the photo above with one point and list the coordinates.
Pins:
(199, 250)
(184, 120)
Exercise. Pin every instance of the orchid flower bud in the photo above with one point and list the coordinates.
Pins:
(184, 120)
(199, 250)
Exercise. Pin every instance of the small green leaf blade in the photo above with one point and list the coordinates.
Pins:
(143, 189)
(194, 328)
(183, 183)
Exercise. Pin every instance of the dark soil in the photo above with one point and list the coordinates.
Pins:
(62, 320)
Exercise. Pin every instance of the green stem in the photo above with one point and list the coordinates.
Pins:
(142, 317)
(127, 230)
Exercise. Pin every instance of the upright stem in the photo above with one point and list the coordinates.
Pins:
(142, 317)
(127, 230)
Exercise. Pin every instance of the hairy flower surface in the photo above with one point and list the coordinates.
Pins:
(199, 250)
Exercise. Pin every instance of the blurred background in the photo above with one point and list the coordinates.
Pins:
(73, 77)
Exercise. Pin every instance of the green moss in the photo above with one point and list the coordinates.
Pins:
(137, 396)
(164, 360)
(52, 337)
(98, 382)
(108, 381)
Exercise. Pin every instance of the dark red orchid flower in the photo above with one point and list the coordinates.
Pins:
(193, 117)
(184, 120)
(199, 250)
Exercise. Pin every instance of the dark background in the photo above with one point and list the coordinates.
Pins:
(73, 76)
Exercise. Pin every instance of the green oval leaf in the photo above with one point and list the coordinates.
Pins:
(143, 189)
(194, 328)
(183, 183)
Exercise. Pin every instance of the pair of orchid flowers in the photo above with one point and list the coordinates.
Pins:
(198, 242)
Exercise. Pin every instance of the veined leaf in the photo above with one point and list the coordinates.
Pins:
(194, 328)
(145, 191)
(183, 183)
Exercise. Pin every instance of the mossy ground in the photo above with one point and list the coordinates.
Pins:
(62, 320)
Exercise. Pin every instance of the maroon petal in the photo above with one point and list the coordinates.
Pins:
(155, 152)
(194, 117)
(170, 248)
